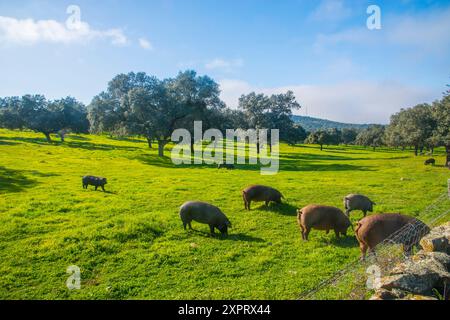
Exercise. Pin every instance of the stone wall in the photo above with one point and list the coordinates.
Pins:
(424, 276)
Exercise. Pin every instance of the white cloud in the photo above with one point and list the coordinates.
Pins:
(224, 65)
(358, 102)
(232, 89)
(29, 32)
(145, 44)
(426, 32)
(353, 36)
(430, 31)
(330, 10)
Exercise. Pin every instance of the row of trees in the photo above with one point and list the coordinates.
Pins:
(423, 126)
(37, 113)
(139, 104)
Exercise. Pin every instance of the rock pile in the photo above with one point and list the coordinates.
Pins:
(424, 276)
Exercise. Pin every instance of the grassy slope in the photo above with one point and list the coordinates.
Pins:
(130, 244)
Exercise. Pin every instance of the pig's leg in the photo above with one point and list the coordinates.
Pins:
(190, 225)
(96, 187)
(211, 229)
(327, 232)
(336, 232)
(184, 225)
(103, 188)
(363, 248)
(306, 233)
(248, 204)
(372, 253)
(365, 213)
(267, 203)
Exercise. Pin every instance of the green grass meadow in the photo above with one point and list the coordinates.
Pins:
(130, 244)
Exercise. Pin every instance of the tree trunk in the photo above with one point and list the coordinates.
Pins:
(447, 149)
(257, 147)
(416, 150)
(47, 136)
(192, 147)
(161, 145)
(321, 147)
(149, 141)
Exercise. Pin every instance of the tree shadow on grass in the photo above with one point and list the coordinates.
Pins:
(317, 157)
(240, 237)
(40, 141)
(284, 209)
(128, 139)
(78, 138)
(323, 167)
(348, 241)
(15, 180)
(97, 146)
(7, 143)
(81, 144)
(231, 236)
(285, 165)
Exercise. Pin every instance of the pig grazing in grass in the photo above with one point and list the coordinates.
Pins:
(260, 193)
(94, 181)
(358, 202)
(372, 230)
(206, 213)
(430, 161)
(322, 218)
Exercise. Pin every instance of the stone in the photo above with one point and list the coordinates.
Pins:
(419, 275)
(383, 294)
(437, 240)
(412, 283)
(418, 297)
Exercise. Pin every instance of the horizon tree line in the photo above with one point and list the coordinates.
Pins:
(143, 105)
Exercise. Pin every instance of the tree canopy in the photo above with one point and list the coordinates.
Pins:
(36, 113)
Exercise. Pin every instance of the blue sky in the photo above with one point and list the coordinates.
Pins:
(322, 50)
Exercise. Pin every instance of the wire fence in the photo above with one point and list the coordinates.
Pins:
(357, 279)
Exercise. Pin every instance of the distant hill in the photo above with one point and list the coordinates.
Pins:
(312, 124)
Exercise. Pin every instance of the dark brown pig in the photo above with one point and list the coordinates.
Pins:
(260, 193)
(206, 213)
(372, 230)
(322, 218)
(357, 202)
(94, 181)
